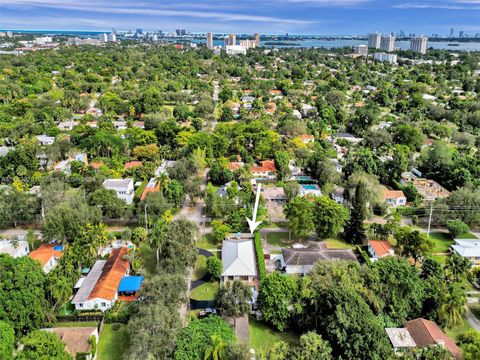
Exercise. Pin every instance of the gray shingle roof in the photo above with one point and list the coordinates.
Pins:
(314, 253)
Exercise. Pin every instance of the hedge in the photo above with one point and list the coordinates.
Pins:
(262, 271)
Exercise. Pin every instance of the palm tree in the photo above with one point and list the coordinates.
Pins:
(161, 181)
(216, 349)
(458, 267)
(452, 309)
(61, 291)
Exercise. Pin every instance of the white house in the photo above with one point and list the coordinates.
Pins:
(238, 258)
(394, 198)
(469, 249)
(119, 125)
(14, 248)
(47, 255)
(306, 108)
(99, 289)
(123, 188)
(379, 249)
(67, 125)
(267, 170)
(45, 140)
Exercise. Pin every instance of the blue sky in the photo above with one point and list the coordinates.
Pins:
(246, 16)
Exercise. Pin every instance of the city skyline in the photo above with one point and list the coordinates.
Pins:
(270, 17)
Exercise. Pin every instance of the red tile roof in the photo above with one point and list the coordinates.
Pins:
(393, 194)
(133, 164)
(266, 166)
(96, 165)
(44, 253)
(234, 165)
(149, 190)
(381, 247)
(426, 332)
(113, 271)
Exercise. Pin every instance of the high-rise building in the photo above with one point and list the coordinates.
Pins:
(230, 40)
(461, 34)
(452, 31)
(112, 37)
(103, 37)
(139, 31)
(209, 40)
(114, 31)
(387, 43)
(374, 40)
(181, 32)
(361, 50)
(248, 44)
(257, 38)
(419, 44)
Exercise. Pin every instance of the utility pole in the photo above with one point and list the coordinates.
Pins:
(430, 219)
(146, 220)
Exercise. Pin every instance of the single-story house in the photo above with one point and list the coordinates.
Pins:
(119, 125)
(238, 258)
(14, 248)
(425, 333)
(394, 198)
(276, 194)
(47, 255)
(235, 165)
(379, 249)
(300, 260)
(65, 165)
(400, 339)
(267, 170)
(67, 125)
(45, 140)
(468, 248)
(123, 188)
(307, 138)
(99, 289)
(77, 340)
(309, 189)
(348, 137)
(306, 108)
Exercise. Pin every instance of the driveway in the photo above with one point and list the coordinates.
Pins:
(206, 278)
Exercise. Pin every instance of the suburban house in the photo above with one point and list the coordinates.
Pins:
(426, 332)
(276, 194)
(119, 125)
(235, 165)
(348, 137)
(152, 186)
(300, 260)
(430, 190)
(132, 164)
(238, 258)
(139, 124)
(394, 198)
(65, 165)
(77, 340)
(14, 248)
(338, 195)
(45, 140)
(47, 255)
(307, 138)
(306, 108)
(67, 125)
(99, 289)
(468, 248)
(123, 188)
(379, 249)
(400, 339)
(310, 189)
(266, 170)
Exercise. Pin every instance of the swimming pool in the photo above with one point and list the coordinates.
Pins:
(310, 187)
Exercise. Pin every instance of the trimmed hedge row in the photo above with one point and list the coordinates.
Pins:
(262, 271)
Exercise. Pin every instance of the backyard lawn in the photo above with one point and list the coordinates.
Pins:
(76, 324)
(456, 332)
(208, 242)
(280, 239)
(442, 241)
(200, 269)
(205, 292)
(113, 344)
(262, 337)
(335, 243)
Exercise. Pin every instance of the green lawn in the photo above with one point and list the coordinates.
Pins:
(338, 244)
(468, 236)
(200, 269)
(66, 309)
(456, 332)
(440, 258)
(207, 291)
(113, 344)
(262, 337)
(208, 242)
(280, 239)
(441, 241)
(76, 324)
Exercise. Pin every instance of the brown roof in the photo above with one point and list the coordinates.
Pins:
(392, 194)
(132, 164)
(76, 339)
(149, 190)
(266, 166)
(314, 253)
(235, 165)
(381, 247)
(426, 332)
(113, 271)
(44, 253)
(96, 165)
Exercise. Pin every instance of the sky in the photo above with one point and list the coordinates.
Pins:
(332, 17)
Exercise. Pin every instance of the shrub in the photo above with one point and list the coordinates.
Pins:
(214, 267)
(262, 271)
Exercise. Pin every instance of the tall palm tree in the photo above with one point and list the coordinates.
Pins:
(61, 291)
(458, 267)
(453, 307)
(216, 349)
(162, 180)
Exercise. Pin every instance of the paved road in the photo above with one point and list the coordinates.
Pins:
(471, 319)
